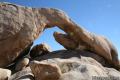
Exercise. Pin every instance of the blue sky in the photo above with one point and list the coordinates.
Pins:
(98, 16)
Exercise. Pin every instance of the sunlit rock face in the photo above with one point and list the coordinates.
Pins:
(20, 26)
(45, 71)
(4, 74)
(65, 65)
(71, 65)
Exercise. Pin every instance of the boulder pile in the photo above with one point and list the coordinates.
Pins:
(87, 56)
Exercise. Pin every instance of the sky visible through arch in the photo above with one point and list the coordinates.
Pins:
(97, 16)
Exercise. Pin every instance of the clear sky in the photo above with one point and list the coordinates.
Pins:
(98, 16)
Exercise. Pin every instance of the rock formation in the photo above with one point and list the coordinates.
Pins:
(45, 71)
(80, 39)
(25, 74)
(84, 40)
(67, 65)
(77, 65)
(26, 24)
(21, 64)
(39, 50)
(87, 54)
(4, 74)
(20, 26)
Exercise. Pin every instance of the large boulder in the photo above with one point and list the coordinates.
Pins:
(39, 50)
(45, 71)
(18, 29)
(80, 39)
(4, 74)
(20, 26)
(25, 74)
(21, 64)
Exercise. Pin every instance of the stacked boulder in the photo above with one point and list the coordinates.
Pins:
(87, 56)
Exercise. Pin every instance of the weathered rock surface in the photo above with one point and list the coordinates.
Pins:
(45, 71)
(20, 26)
(4, 74)
(24, 74)
(78, 65)
(83, 40)
(17, 31)
(21, 64)
(39, 50)
(67, 65)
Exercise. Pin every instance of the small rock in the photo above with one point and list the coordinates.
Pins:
(25, 74)
(4, 74)
(45, 71)
(20, 65)
(39, 50)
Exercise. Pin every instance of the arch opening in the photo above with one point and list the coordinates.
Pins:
(47, 37)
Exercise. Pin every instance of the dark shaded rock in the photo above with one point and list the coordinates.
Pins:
(25, 74)
(21, 64)
(39, 50)
(66, 54)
